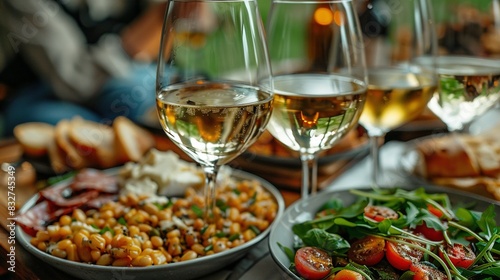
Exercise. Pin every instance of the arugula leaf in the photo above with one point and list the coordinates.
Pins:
(288, 252)
(466, 218)
(487, 222)
(333, 204)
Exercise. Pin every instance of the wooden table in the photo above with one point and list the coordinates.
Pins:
(27, 183)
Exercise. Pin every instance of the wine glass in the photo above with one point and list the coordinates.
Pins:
(214, 86)
(319, 74)
(469, 73)
(401, 47)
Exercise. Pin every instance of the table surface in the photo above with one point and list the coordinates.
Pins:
(258, 264)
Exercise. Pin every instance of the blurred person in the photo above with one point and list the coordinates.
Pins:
(88, 58)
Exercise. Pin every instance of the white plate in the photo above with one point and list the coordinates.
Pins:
(182, 270)
(305, 209)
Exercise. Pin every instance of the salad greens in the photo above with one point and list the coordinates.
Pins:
(336, 225)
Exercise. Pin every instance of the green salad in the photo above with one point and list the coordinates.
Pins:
(397, 234)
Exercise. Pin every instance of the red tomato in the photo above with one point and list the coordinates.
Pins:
(401, 256)
(368, 250)
(380, 213)
(434, 211)
(312, 263)
(429, 233)
(425, 272)
(460, 255)
(347, 274)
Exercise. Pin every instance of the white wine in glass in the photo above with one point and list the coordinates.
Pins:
(214, 87)
(401, 47)
(469, 64)
(319, 77)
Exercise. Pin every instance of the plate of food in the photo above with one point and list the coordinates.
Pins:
(268, 149)
(388, 233)
(468, 162)
(144, 221)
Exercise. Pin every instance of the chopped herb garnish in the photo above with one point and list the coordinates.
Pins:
(56, 179)
(202, 231)
(234, 236)
(236, 191)
(221, 204)
(220, 234)
(208, 248)
(252, 200)
(197, 210)
(154, 232)
(254, 229)
(105, 229)
(122, 221)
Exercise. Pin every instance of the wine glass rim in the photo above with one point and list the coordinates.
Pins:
(462, 64)
(467, 58)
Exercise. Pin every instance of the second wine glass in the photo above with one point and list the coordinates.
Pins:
(319, 73)
(401, 46)
(468, 66)
(214, 87)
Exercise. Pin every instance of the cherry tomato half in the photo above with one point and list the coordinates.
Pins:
(429, 233)
(434, 211)
(460, 255)
(312, 263)
(380, 213)
(425, 272)
(402, 256)
(347, 274)
(368, 250)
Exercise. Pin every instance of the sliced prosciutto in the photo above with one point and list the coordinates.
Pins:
(90, 188)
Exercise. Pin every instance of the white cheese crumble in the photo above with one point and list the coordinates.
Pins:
(161, 173)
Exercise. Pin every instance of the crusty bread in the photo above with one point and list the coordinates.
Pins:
(94, 141)
(132, 141)
(462, 161)
(72, 156)
(79, 143)
(487, 153)
(57, 158)
(34, 137)
(446, 156)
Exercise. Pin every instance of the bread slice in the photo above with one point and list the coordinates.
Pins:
(478, 185)
(72, 156)
(447, 156)
(57, 159)
(487, 153)
(94, 141)
(132, 141)
(34, 137)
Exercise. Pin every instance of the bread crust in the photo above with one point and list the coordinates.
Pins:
(34, 137)
(462, 161)
(78, 143)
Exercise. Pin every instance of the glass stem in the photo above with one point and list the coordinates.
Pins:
(210, 184)
(374, 152)
(309, 174)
